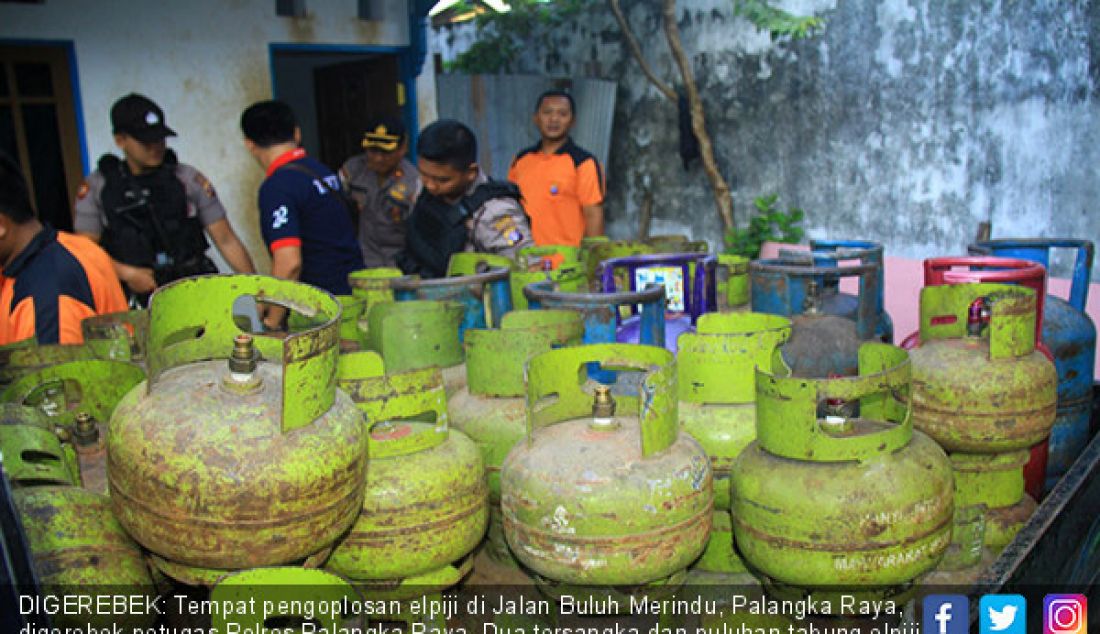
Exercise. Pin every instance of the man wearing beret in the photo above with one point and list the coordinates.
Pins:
(384, 186)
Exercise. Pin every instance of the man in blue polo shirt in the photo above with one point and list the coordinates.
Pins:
(305, 220)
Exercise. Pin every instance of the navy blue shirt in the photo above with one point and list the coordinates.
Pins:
(301, 208)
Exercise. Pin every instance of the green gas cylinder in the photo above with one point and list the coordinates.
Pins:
(979, 383)
(984, 391)
(492, 410)
(593, 252)
(117, 336)
(373, 286)
(33, 452)
(718, 404)
(351, 312)
(75, 397)
(605, 490)
(733, 282)
(838, 489)
(417, 334)
(81, 553)
(114, 336)
(426, 501)
(216, 464)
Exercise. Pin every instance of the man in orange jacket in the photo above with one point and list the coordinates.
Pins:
(562, 183)
(49, 280)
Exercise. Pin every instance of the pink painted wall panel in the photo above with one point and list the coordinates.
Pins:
(904, 279)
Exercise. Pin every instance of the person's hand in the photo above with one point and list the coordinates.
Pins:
(141, 280)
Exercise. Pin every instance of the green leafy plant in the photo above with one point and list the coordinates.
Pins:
(775, 21)
(501, 36)
(768, 224)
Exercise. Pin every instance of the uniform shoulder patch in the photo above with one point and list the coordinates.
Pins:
(506, 226)
(82, 191)
(205, 185)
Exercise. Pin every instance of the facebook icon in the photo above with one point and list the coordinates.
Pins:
(945, 614)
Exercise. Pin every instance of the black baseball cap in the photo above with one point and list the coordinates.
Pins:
(384, 133)
(137, 116)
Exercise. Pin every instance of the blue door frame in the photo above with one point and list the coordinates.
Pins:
(74, 82)
(407, 67)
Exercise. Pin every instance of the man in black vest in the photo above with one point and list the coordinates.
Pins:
(460, 207)
(150, 212)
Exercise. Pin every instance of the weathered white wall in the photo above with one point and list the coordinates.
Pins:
(903, 121)
(203, 61)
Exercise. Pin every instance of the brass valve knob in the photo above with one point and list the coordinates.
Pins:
(85, 431)
(243, 359)
(603, 409)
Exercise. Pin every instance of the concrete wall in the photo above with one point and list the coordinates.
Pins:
(203, 61)
(904, 121)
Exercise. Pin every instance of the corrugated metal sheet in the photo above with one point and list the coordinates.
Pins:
(499, 107)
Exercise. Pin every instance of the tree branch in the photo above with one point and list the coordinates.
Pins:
(698, 122)
(636, 51)
(646, 215)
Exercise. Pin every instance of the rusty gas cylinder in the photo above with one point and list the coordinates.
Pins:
(979, 383)
(838, 489)
(492, 410)
(258, 461)
(718, 405)
(605, 490)
(81, 552)
(426, 503)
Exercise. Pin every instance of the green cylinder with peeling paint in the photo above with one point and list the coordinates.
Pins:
(426, 501)
(718, 404)
(568, 277)
(595, 252)
(989, 393)
(417, 334)
(373, 286)
(24, 357)
(1002, 524)
(33, 453)
(733, 281)
(117, 336)
(492, 410)
(61, 391)
(79, 548)
(995, 481)
(351, 311)
(597, 499)
(829, 494)
(529, 257)
(227, 465)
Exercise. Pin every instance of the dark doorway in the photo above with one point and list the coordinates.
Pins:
(334, 94)
(38, 126)
(348, 95)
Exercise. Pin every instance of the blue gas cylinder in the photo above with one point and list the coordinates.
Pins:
(1071, 336)
(822, 344)
(828, 253)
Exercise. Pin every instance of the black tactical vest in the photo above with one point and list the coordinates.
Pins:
(436, 229)
(147, 223)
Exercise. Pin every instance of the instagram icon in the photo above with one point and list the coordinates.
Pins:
(1065, 614)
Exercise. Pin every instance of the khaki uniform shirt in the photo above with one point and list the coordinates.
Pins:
(383, 207)
(202, 201)
(499, 226)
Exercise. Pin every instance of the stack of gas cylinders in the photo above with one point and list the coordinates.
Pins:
(619, 418)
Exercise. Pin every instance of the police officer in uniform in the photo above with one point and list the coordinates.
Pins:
(151, 213)
(384, 186)
(460, 208)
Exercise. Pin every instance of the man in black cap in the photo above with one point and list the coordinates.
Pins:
(384, 186)
(148, 211)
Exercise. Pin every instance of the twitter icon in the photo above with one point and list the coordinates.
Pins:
(1003, 614)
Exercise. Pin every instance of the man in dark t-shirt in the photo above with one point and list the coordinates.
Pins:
(304, 219)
